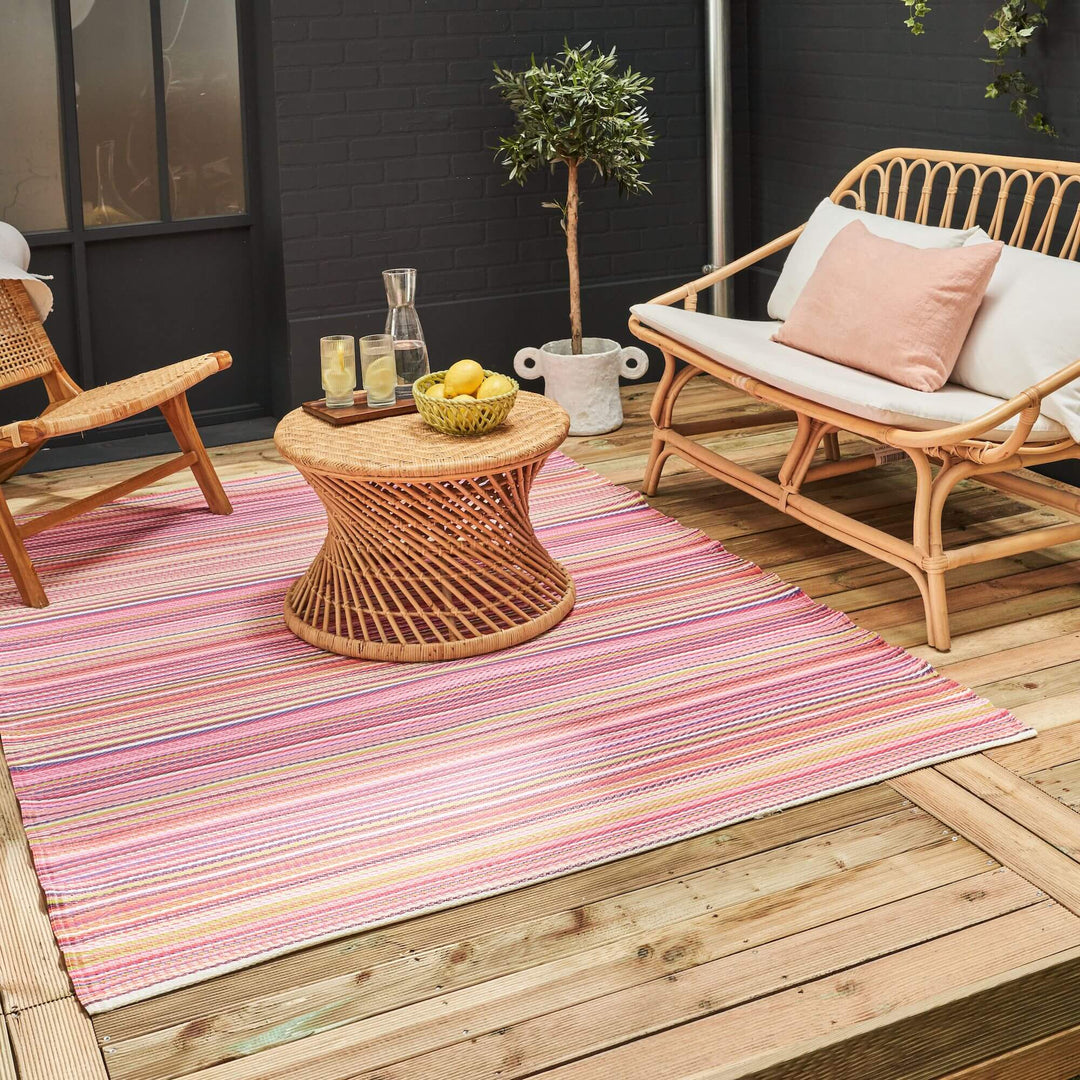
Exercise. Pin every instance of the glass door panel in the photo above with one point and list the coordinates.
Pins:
(31, 176)
(114, 86)
(202, 108)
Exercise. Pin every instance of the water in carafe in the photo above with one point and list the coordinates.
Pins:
(403, 325)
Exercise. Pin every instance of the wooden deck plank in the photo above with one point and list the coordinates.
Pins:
(1023, 802)
(1038, 685)
(1056, 1057)
(359, 953)
(1052, 712)
(643, 934)
(1017, 662)
(1001, 639)
(511, 1035)
(31, 970)
(1061, 784)
(1052, 747)
(7, 1062)
(1009, 842)
(823, 1014)
(55, 1042)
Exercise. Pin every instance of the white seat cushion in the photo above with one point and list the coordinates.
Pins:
(1027, 329)
(825, 222)
(745, 347)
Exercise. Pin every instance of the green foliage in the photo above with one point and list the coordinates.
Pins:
(577, 110)
(1014, 24)
(917, 11)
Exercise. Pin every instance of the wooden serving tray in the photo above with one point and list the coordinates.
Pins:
(359, 411)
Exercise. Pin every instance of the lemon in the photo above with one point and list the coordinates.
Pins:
(380, 377)
(436, 391)
(494, 386)
(464, 377)
(468, 399)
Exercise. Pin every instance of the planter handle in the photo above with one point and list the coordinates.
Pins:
(527, 363)
(633, 362)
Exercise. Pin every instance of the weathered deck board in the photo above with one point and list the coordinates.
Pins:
(445, 929)
(31, 971)
(1035, 810)
(838, 940)
(1052, 1058)
(632, 937)
(513, 1035)
(1002, 837)
(55, 1041)
(7, 1063)
(820, 1012)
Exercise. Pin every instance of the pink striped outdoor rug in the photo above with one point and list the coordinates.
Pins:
(202, 790)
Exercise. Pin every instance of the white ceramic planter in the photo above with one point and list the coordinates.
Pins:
(586, 386)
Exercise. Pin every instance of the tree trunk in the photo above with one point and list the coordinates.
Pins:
(572, 256)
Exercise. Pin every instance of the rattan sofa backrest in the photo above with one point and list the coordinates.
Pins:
(25, 350)
(1026, 202)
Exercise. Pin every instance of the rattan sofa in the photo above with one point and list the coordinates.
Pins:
(1023, 202)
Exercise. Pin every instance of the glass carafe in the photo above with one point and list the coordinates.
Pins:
(403, 325)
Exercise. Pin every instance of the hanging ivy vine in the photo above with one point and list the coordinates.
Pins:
(1014, 24)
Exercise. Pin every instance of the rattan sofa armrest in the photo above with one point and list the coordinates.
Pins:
(1027, 404)
(730, 270)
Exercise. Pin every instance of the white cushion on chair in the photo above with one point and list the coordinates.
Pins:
(825, 222)
(1028, 328)
(745, 347)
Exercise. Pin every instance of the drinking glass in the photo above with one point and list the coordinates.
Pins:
(378, 369)
(338, 354)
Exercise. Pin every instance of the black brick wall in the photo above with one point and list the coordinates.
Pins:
(828, 82)
(385, 119)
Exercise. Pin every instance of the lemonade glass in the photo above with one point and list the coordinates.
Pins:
(338, 355)
(378, 369)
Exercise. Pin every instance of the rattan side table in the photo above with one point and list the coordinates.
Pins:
(429, 553)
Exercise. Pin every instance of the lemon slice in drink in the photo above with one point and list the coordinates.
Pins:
(380, 377)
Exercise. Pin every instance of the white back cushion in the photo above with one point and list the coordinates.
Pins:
(825, 222)
(1027, 328)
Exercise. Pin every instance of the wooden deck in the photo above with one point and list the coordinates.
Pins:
(926, 927)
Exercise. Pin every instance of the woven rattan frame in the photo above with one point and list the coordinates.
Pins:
(430, 553)
(26, 353)
(25, 350)
(1024, 202)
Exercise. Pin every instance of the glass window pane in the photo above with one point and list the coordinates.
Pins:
(114, 76)
(31, 185)
(202, 107)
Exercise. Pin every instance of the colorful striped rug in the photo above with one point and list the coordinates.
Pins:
(202, 790)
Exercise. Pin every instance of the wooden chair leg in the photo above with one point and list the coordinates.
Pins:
(178, 414)
(18, 560)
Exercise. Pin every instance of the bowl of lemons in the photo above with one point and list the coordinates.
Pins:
(466, 399)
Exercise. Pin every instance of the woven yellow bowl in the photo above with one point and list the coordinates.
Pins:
(462, 417)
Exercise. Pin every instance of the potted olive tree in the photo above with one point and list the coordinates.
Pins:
(573, 112)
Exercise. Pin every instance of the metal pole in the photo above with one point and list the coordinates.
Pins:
(718, 135)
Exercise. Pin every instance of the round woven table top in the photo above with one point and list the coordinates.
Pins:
(404, 447)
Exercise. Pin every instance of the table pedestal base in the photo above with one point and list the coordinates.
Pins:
(428, 570)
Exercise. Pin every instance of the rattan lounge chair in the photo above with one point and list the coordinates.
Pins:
(26, 354)
(1017, 200)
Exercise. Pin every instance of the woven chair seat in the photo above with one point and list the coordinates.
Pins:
(27, 354)
(128, 397)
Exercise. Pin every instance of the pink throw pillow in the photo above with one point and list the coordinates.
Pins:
(893, 310)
